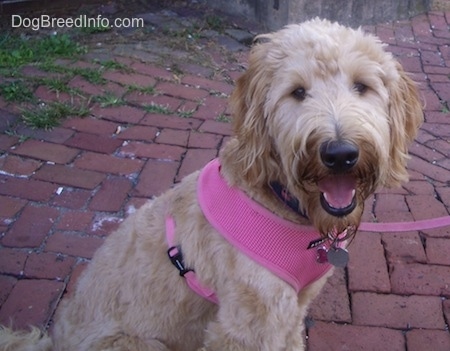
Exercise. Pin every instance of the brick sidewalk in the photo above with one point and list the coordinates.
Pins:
(62, 191)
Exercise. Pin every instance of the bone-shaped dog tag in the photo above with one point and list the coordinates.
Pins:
(337, 257)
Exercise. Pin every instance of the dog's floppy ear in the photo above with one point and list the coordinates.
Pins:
(252, 144)
(406, 116)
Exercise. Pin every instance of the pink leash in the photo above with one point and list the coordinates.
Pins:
(177, 260)
(405, 226)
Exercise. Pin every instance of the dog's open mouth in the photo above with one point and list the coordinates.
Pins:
(337, 194)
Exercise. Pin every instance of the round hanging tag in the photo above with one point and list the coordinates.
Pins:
(338, 257)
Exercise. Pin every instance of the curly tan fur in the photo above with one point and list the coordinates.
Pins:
(131, 297)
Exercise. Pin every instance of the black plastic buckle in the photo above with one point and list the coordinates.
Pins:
(177, 260)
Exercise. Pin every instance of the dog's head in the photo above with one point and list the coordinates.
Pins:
(324, 110)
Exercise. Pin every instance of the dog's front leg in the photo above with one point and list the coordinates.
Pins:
(252, 324)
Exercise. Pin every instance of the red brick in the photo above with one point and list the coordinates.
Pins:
(26, 188)
(138, 133)
(32, 227)
(73, 244)
(47, 265)
(170, 121)
(7, 141)
(420, 279)
(15, 165)
(55, 135)
(437, 129)
(390, 202)
(438, 251)
(34, 72)
(367, 270)
(442, 90)
(155, 178)
(70, 176)
(150, 70)
(419, 187)
(93, 142)
(75, 220)
(12, 261)
(411, 64)
(91, 125)
(403, 248)
(196, 70)
(112, 195)
(77, 271)
(444, 194)
(433, 102)
(156, 151)
(170, 103)
(443, 232)
(125, 114)
(103, 225)
(331, 336)
(84, 86)
(46, 151)
(108, 164)
(6, 285)
(212, 108)
(31, 302)
(426, 153)
(187, 108)
(134, 203)
(114, 89)
(216, 127)
(182, 91)
(333, 303)
(44, 93)
(420, 340)
(72, 198)
(132, 79)
(436, 117)
(83, 64)
(399, 312)
(446, 307)
(204, 140)
(9, 207)
(173, 137)
(425, 207)
(207, 84)
(194, 160)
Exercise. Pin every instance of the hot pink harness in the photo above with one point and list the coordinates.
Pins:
(275, 243)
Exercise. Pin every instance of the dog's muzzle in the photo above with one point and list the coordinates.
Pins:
(338, 189)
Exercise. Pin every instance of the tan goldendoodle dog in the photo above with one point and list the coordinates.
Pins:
(323, 117)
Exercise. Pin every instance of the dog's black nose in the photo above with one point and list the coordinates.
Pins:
(338, 155)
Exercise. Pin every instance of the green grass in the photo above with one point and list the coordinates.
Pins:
(112, 64)
(159, 109)
(92, 75)
(16, 51)
(108, 100)
(16, 91)
(50, 115)
(145, 90)
(223, 118)
(185, 113)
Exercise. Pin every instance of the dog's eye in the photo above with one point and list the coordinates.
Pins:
(299, 94)
(360, 88)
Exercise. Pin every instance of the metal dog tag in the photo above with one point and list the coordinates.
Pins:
(337, 257)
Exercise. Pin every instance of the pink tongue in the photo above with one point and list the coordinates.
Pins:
(338, 190)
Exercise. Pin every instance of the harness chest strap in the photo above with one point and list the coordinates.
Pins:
(177, 259)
